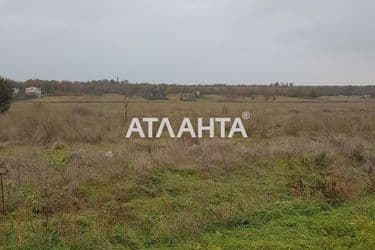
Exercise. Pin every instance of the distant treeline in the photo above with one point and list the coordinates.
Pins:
(143, 89)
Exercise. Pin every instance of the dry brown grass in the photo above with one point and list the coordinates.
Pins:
(58, 167)
(93, 123)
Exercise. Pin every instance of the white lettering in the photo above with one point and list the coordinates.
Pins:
(150, 124)
(186, 127)
(135, 127)
(222, 125)
(165, 123)
(237, 126)
(210, 128)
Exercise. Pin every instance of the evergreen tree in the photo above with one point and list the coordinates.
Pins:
(6, 93)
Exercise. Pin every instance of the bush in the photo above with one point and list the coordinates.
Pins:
(6, 93)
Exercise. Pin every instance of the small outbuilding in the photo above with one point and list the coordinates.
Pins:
(157, 94)
(190, 96)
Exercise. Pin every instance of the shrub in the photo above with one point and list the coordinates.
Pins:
(6, 92)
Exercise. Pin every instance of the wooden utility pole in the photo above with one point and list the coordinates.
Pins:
(126, 103)
(3, 172)
(2, 196)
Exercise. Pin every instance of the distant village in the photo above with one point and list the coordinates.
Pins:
(39, 88)
(29, 92)
(154, 94)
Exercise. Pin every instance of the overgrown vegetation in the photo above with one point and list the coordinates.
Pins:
(304, 179)
(101, 87)
(6, 92)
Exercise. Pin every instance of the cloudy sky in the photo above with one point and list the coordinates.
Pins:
(189, 41)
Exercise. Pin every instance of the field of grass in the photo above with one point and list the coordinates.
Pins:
(305, 177)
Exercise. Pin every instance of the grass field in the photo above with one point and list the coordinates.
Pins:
(304, 179)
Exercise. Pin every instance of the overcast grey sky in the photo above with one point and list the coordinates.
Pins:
(189, 41)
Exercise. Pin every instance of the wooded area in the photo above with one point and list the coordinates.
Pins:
(101, 87)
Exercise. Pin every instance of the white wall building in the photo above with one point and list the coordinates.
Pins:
(33, 91)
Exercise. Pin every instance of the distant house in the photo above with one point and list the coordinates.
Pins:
(190, 96)
(33, 92)
(197, 93)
